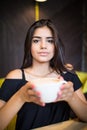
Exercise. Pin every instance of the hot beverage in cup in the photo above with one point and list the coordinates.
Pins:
(48, 88)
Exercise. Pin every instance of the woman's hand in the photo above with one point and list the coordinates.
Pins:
(66, 92)
(28, 94)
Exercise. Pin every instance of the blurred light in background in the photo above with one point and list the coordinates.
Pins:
(40, 0)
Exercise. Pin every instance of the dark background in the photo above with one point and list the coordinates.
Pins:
(16, 16)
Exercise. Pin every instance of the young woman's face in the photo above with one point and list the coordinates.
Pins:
(42, 48)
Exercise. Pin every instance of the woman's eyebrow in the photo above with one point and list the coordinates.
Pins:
(36, 37)
(41, 37)
(50, 37)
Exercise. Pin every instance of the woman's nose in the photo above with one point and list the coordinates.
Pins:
(43, 44)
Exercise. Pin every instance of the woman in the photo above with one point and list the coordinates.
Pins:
(43, 58)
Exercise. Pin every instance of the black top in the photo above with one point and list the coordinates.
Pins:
(32, 115)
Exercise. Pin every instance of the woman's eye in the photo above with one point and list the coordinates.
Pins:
(35, 41)
(50, 41)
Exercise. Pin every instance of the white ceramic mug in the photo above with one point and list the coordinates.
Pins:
(48, 88)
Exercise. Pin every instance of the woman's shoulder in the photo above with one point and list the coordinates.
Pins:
(14, 74)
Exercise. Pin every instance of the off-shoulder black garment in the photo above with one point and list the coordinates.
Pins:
(31, 115)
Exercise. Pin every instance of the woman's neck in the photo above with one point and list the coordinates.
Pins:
(41, 70)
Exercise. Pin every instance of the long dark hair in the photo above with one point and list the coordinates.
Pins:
(57, 62)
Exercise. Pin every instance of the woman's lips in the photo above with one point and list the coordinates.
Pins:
(43, 53)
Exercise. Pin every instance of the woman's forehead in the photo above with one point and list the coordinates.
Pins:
(43, 31)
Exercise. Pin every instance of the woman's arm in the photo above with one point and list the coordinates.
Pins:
(78, 104)
(9, 109)
(75, 99)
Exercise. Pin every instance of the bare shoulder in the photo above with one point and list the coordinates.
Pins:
(14, 74)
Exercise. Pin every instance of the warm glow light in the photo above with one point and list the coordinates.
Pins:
(40, 0)
(36, 11)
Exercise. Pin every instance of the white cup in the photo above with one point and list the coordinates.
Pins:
(48, 88)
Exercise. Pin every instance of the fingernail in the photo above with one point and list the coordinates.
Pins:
(33, 86)
(62, 87)
(38, 93)
(43, 104)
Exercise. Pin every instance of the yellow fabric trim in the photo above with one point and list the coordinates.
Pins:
(85, 87)
(12, 124)
(1, 81)
(82, 76)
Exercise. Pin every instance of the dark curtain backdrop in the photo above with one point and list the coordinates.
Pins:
(68, 17)
(17, 15)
